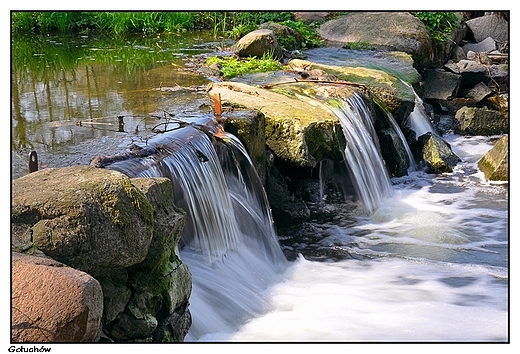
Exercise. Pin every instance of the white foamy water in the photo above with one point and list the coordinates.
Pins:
(382, 300)
(431, 265)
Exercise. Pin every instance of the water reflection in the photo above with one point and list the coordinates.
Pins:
(68, 90)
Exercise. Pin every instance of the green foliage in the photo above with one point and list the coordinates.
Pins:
(309, 33)
(439, 24)
(23, 22)
(236, 24)
(232, 66)
(145, 22)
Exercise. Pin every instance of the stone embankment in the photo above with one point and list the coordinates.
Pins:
(93, 258)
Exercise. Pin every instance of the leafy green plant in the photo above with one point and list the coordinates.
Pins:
(309, 32)
(439, 24)
(233, 66)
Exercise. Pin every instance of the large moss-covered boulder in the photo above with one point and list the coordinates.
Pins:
(91, 219)
(495, 163)
(299, 130)
(377, 79)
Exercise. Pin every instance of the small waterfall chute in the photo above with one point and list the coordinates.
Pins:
(418, 120)
(229, 242)
(362, 153)
(411, 161)
(366, 166)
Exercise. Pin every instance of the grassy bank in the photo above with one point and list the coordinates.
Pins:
(119, 23)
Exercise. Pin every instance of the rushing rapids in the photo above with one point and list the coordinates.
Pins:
(242, 281)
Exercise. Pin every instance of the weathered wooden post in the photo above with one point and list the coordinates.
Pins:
(121, 124)
(218, 105)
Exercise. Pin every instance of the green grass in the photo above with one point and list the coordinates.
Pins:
(231, 66)
(120, 22)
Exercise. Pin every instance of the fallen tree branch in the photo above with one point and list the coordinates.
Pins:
(317, 82)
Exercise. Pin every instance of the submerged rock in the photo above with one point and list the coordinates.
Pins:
(394, 153)
(288, 210)
(495, 163)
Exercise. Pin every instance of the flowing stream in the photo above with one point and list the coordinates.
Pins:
(416, 258)
(428, 263)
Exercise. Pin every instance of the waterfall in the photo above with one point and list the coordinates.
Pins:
(362, 153)
(399, 132)
(229, 242)
(418, 120)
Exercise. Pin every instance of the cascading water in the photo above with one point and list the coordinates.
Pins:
(418, 120)
(362, 153)
(229, 242)
(399, 132)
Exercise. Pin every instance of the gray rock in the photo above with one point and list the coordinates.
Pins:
(399, 31)
(116, 294)
(128, 327)
(257, 44)
(493, 26)
(471, 72)
(458, 54)
(484, 46)
(479, 92)
(440, 84)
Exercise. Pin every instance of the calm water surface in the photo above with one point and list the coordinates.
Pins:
(67, 91)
